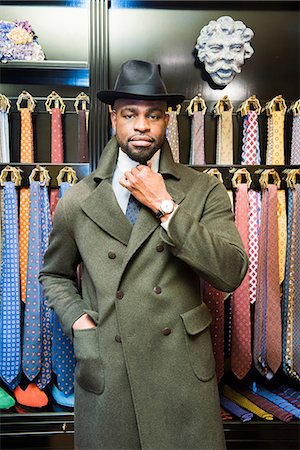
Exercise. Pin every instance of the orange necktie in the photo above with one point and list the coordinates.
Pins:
(26, 156)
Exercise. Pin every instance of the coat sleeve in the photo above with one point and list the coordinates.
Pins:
(59, 272)
(210, 242)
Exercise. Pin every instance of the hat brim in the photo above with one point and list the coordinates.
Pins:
(110, 97)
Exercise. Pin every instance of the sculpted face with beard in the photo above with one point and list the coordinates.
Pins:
(222, 46)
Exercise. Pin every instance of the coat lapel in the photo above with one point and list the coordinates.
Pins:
(101, 205)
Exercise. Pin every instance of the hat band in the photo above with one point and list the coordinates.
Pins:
(144, 89)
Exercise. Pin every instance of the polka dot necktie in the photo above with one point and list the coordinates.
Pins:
(57, 151)
(10, 334)
(197, 155)
(241, 356)
(63, 359)
(37, 338)
(295, 146)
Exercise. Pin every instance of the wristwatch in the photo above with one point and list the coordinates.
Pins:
(166, 207)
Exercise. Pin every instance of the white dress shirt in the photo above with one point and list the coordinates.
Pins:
(124, 164)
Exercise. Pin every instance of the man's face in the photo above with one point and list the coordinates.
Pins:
(224, 57)
(140, 127)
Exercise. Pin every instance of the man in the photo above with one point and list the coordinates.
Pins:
(145, 369)
(223, 45)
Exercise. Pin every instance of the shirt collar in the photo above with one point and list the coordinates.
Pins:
(125, 163)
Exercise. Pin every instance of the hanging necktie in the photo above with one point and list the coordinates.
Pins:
(267, 320)
(275, 110)
(4, 129)
(63, 358)
(291, 292)
(26, 156)
(197, 153)
(83, 116)
(241, 356)
(250, 110)
(37, 338)
(295, 145)
(57, 152)
(10, 320)
(133, 209)
(172, 132)
(214, 299)
(223, 111)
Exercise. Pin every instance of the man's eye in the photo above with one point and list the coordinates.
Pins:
(128, 116)
(154, 117)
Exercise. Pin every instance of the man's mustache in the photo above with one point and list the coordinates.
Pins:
(211, 68)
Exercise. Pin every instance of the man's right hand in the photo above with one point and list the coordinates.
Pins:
(83, 323)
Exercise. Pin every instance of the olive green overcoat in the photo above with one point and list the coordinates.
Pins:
(145, 376)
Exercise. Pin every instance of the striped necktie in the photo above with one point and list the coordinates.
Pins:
(10, 323)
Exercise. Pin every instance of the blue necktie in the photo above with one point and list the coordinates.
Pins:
(63, 359)
(10, 335)
(37, 337)
(133, 209)
(235, 409)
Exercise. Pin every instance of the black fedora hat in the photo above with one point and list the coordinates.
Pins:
(139, 80)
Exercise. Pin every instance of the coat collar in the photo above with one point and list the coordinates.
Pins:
(102, 206)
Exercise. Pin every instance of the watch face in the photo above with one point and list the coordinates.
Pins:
(167, 206)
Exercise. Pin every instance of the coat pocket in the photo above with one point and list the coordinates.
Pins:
(197, 335)
(89, 372)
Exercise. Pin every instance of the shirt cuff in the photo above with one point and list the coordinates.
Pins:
(165, 224)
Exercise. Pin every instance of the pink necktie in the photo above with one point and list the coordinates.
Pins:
(241, 356)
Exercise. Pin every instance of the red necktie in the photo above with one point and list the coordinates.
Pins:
(57, 153)
(241, 356)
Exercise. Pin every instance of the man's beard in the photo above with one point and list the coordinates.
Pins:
(140, 154)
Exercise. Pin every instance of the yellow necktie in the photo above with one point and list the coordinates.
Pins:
(275, 110)
(282, 233)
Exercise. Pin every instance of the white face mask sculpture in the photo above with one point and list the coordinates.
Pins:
(222, 47)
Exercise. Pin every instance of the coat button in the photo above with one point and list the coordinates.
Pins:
(120, 294)
(118, 338)
(111, 255)
(166, 331)
(160, 247)
(157, 289)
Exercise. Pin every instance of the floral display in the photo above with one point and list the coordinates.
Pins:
(19, 42)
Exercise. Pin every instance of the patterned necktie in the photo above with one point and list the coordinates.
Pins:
(250, 147)
(241, 356)
(224, 152)
(267, 324)
(172, 135)
(4, 138)
(197, 154)
(133, 209)
(37, 338)
(26, 156)
(276, 109)
(214, 300)
(63, 359)
(57, 153)
(10, 334)
(83, 153)
(295, 146)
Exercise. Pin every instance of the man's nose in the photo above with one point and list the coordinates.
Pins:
(141, 124)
